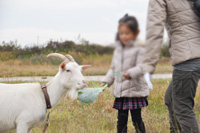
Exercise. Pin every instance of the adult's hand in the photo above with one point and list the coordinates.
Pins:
(147, 77)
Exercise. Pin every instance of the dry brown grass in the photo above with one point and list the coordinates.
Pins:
(100, 65)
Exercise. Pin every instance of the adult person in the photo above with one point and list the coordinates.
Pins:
(183, 28)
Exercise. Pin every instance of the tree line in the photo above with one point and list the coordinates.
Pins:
(11, 50)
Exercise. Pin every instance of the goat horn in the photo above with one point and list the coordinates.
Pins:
(70, 58)
(64, 58)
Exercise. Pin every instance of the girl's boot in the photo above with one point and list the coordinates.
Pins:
(139, 127)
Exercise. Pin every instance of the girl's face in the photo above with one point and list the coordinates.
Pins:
(125, 34)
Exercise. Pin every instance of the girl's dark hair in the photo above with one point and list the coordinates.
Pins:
(131, 22)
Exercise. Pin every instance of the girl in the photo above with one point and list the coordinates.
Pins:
(130, 88)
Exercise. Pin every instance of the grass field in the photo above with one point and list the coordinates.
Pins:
(100, 117)
(100, 65)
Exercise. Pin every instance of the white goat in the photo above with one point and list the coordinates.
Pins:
(23, 106)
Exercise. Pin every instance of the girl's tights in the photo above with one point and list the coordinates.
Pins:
(136, 119)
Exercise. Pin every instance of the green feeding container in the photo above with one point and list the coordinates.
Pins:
(89, 95)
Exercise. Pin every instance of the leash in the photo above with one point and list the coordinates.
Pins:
(48, 104)
(47, 121)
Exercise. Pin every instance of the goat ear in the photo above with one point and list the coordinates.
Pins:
(63, 65)
(84, 67)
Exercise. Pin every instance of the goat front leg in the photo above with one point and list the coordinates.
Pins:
(22, 128)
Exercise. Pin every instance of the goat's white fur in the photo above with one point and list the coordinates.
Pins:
(23, 106)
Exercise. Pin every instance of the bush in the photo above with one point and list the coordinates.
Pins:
(37, 54)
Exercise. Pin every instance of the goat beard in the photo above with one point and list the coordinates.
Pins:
(72, 94)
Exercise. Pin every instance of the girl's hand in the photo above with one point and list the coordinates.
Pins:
(126, 75)
(102, 84)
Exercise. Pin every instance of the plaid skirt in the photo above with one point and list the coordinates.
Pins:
(130, 103)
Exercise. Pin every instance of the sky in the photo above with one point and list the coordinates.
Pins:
(33, 22)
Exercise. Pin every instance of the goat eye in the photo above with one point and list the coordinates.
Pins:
(68, 70)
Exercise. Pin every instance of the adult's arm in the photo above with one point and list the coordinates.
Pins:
(154, 36)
